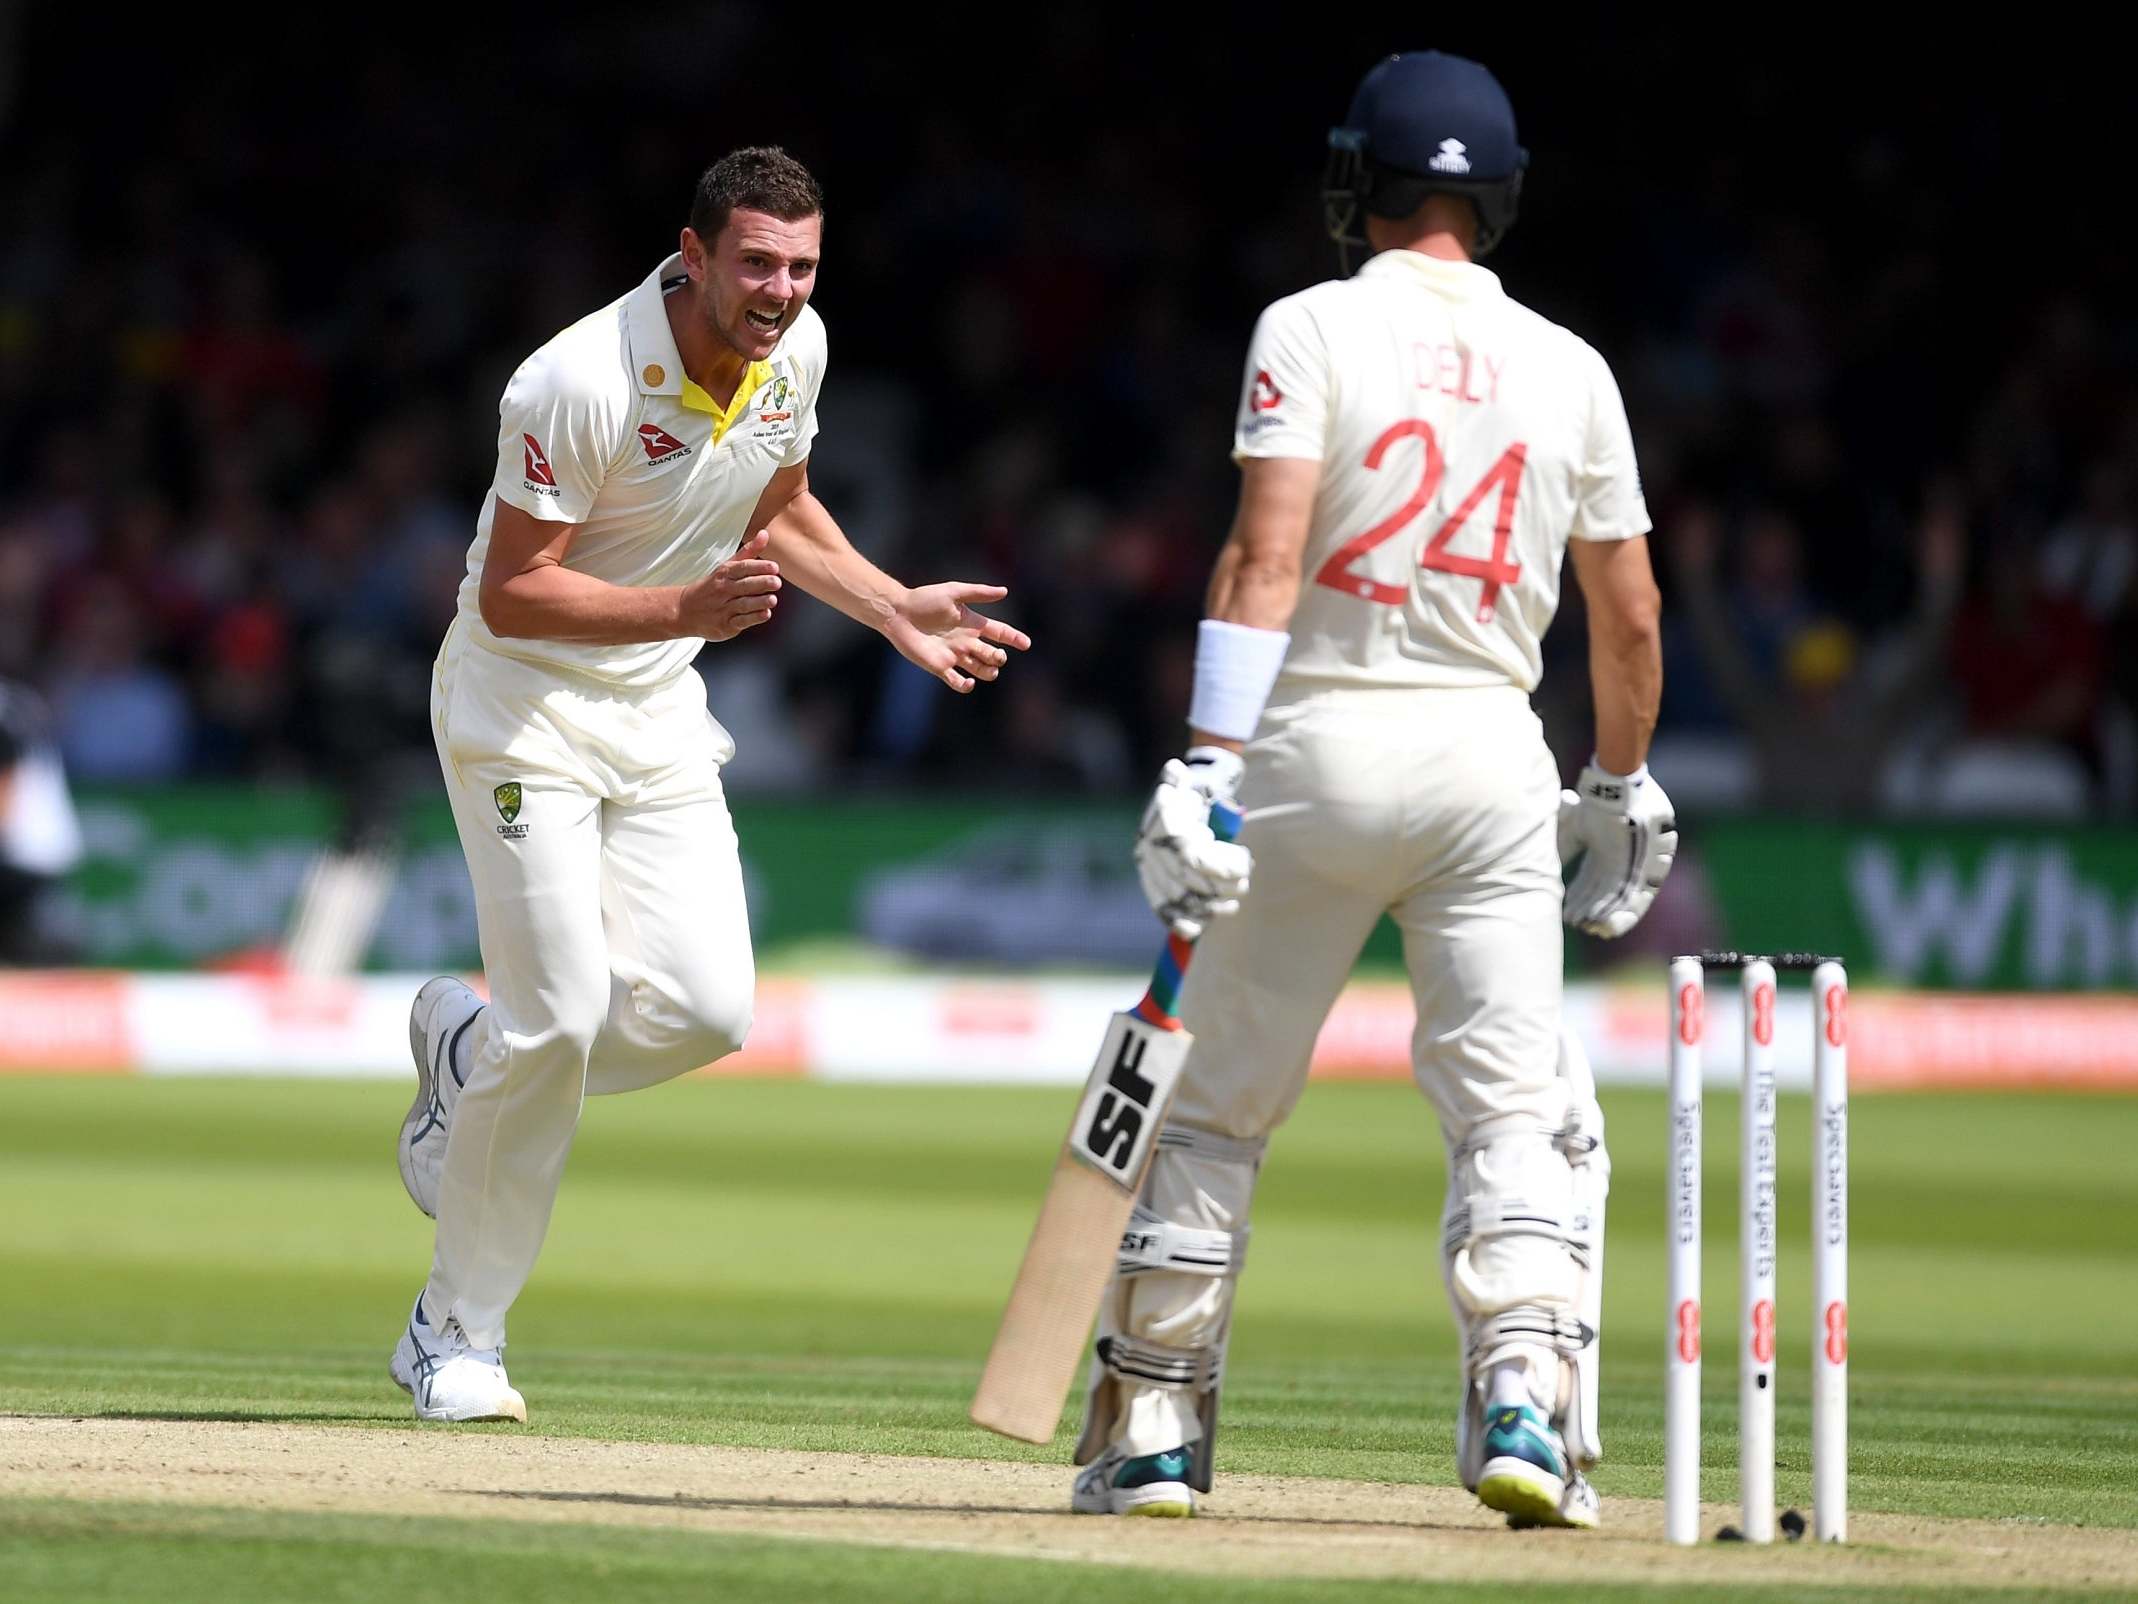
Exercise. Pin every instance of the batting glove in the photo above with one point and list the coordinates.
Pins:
(1189, 876)
(1625, 833)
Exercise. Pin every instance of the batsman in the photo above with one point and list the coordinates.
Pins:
(1419, 454)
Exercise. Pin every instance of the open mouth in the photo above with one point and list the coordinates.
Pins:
(762, 322)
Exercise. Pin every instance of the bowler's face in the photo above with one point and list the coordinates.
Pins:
(754, 279)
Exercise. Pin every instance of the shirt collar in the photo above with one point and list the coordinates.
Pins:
(656, 365)
(1456, 280)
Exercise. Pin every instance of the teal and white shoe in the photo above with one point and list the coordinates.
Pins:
(1143, 1484)
(1527, 1476)
(1579, 1507)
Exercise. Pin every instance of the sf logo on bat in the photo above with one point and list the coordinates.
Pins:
(1123, 1108)
(1126, 1097)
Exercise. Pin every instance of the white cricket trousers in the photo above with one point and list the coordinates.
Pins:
(1438, 808)
(608, 894)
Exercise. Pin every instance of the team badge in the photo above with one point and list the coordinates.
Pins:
(507, 798)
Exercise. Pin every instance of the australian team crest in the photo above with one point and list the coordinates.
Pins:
(507, 797)
(776, 401)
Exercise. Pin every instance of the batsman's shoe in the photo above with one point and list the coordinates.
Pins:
(1142, 1484)
(438, 1025)
(1578, 1507)
(449, 1379)
(1527, 1475)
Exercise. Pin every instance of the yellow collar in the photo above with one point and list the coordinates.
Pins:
(694, 396)
(658, 366)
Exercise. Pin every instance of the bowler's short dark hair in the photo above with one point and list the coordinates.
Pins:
(760, 178)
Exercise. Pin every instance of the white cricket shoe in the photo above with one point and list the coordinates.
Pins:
(1117, 1483)
(449, 1379)
(438, 1025)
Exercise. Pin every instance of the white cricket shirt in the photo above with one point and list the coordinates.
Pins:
(601, 428)
(1463, 439)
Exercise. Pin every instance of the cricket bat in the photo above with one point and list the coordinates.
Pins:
(1100, 1168)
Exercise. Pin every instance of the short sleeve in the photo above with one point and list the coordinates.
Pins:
(1284, 398)
(1608, 504)
(805, 437)
(554, 443)
(812, 355)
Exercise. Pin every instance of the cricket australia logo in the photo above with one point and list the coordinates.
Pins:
(507, 798)
(776, 402)
(1452, 157)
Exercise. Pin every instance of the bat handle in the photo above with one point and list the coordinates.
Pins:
(1173, 959)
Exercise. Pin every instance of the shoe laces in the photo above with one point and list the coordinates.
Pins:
(457, 1345)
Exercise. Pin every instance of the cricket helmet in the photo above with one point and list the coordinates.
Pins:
(1423, 123)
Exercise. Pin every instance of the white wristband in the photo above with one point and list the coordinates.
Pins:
(1235, 667)
(1636, 778)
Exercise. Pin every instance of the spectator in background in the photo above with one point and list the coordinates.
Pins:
(120, 718)
(2091, 556)
(1770, 608)
(2027, 662)
(200, 400)
(1820, 713)
(1051, 745)
(134, 554)
(244, 365)
(40, 838)
(243, 686)
(25, 564)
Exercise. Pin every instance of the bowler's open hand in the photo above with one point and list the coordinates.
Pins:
(934, 627)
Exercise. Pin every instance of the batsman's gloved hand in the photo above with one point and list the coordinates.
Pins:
(1625, 832)
(1189, 876)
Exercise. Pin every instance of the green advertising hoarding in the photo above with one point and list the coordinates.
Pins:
(198, 875)
(193, 875)
(1965, 905)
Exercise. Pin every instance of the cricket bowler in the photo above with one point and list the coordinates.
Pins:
(1418, 453)
(651, 495)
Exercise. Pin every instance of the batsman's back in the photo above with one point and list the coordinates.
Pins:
(1463, 439)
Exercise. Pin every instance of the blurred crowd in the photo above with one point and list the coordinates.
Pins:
(252, 337)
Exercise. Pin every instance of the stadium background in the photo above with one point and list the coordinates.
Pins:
(257, 299)
(261, 278)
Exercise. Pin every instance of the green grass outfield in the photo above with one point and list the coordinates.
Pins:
(808, 1266)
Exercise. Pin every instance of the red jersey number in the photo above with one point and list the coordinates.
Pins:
(1504, 476)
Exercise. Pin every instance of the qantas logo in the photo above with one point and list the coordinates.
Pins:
(1267, 397)
(538, 470)
(659, 443)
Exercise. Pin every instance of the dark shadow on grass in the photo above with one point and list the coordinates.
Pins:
(890, 1506)
(250, 1417)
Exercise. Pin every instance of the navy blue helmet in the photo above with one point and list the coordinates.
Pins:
(1423, 123)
